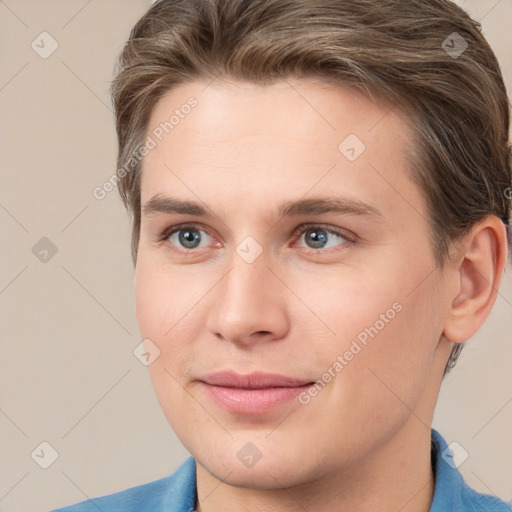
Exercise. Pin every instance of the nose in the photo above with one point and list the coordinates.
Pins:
(249, 305)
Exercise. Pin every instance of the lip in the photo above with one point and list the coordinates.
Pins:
(251, 394)
(256, 380)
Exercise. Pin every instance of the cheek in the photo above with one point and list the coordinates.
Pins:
(147, 298)
(158, 309)
(395, 365)
(165, 315)
(384, 341)
(162, 299)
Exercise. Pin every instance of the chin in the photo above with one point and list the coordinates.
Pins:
(262, 476)
(271, 471)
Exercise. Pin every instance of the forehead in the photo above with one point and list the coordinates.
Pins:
(307, 109)
(243, 140)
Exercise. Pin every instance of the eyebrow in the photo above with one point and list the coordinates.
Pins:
(312, 206)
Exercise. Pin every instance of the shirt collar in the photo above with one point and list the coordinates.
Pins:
(448, 480)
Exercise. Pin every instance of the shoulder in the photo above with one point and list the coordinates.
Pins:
(451, 492)
(478, 502)
(174, 493)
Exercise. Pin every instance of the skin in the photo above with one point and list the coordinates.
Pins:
(363, 442)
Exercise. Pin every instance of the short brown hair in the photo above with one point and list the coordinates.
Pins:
(399, 50)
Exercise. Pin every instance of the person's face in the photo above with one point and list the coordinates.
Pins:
(246, 290)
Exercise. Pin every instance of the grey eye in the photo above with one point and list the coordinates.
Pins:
(320, 238)
(316, 238)
(188, 237)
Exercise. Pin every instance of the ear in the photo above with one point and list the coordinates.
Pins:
(480, 265)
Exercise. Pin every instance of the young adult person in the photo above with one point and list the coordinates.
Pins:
(320, 192)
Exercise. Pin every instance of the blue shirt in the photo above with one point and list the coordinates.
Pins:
(177, 492)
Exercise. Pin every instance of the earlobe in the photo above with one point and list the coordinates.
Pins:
(480, 270)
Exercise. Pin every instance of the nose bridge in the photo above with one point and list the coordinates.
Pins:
(246, 286)
(249, 264)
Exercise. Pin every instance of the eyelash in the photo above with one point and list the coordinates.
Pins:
(350, 239)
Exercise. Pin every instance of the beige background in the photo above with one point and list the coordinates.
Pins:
(68, 373)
